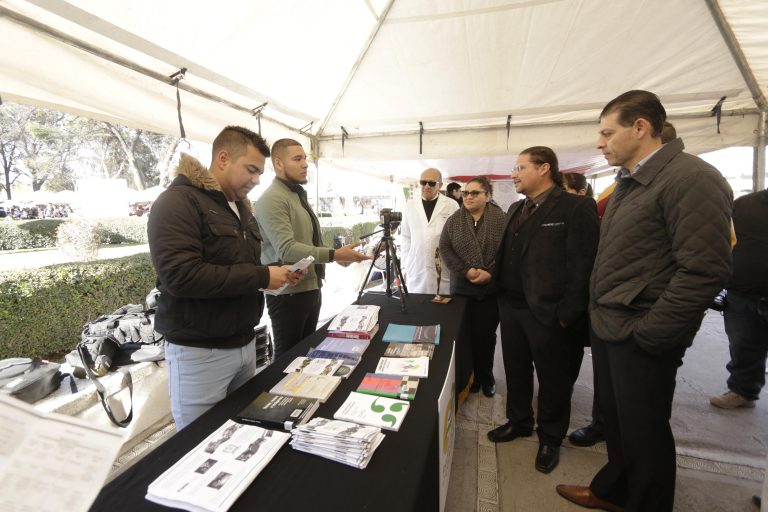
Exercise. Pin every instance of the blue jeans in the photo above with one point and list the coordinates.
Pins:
(199, 378)
(746, 323)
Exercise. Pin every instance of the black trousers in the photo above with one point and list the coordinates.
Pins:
(294, 317)
(635, 392)
(597, 423)
(525, 343)
(483, 319)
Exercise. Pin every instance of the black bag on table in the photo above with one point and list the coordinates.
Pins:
(29, 379)
(125, 337)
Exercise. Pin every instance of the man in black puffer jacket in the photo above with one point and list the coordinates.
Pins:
(664, 252)
(205, 246)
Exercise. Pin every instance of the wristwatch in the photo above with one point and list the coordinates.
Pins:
(331, 253)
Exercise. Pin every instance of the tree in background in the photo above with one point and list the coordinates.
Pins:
(45, 147)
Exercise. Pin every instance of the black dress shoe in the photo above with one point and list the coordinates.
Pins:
(508, 432)
(489, 390)
(586, 436)
(547, 458)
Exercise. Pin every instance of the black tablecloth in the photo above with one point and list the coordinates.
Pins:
(403, 474)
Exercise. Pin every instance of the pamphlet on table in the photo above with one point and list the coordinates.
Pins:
(269, 410)
(314, 366)
(413, 366)
(355, 319)
(398, 333)
(50, 462)
(217, 471)
(376, 411)
(392, 386)
(303, 385)
(342, 441)
(340, 348)
(410, 350)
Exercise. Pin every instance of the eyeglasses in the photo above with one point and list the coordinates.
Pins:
(519, 168)
(424, 183)
(473, 193)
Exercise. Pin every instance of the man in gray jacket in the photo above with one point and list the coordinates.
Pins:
(664, 252)
(291, 232)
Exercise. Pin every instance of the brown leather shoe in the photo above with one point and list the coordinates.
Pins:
(583, 496)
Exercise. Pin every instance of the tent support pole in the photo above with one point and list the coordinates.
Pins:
(120, 61)
(758, 171)
(738, 55)
(503, 126)
(355, 67)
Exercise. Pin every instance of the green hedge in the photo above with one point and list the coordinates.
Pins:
(350, 234)
(28, 234)
(42, 311)
(41, 233)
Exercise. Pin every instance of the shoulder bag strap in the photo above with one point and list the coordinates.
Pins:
(82, 350)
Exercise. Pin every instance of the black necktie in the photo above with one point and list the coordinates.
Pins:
(527, 209)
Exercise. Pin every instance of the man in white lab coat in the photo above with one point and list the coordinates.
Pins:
(423, 221)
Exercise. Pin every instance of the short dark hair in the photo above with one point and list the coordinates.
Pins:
(452, 186)
(279, 147)
(484, 182)
(633, 105)
(577, 181)
(235, 139)
(543, 155)
(668, 133)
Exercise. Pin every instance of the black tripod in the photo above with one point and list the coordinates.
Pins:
(391, 265)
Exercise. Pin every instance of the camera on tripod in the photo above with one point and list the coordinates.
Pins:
(389, 218)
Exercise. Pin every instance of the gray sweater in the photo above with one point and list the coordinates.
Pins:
(287, 230)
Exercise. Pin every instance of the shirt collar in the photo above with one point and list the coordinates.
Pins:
(626, 173)
(542, 197)
(294, 187)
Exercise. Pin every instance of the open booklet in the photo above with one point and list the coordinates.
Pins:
(51, 462)
(215, 473)
(302, 264)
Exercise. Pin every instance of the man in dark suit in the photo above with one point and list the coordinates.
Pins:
(544, 263)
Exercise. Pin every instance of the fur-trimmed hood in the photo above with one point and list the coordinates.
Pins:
(195, 172)
(201, 178)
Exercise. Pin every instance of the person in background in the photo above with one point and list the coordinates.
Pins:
(664, 253)
(291, 232)
(453, 190)
(468, 244)
(576, 183)
(746, 308)
(543, 268)
(205, 247)
(423, 221)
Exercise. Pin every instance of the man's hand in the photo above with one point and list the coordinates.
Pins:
(483, 277)
(278, 276)
(472, 273)
(348, 254)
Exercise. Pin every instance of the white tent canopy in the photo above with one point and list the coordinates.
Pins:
(360, 79)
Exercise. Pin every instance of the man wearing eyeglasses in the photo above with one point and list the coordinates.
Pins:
(543, 266)
(423, 221)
